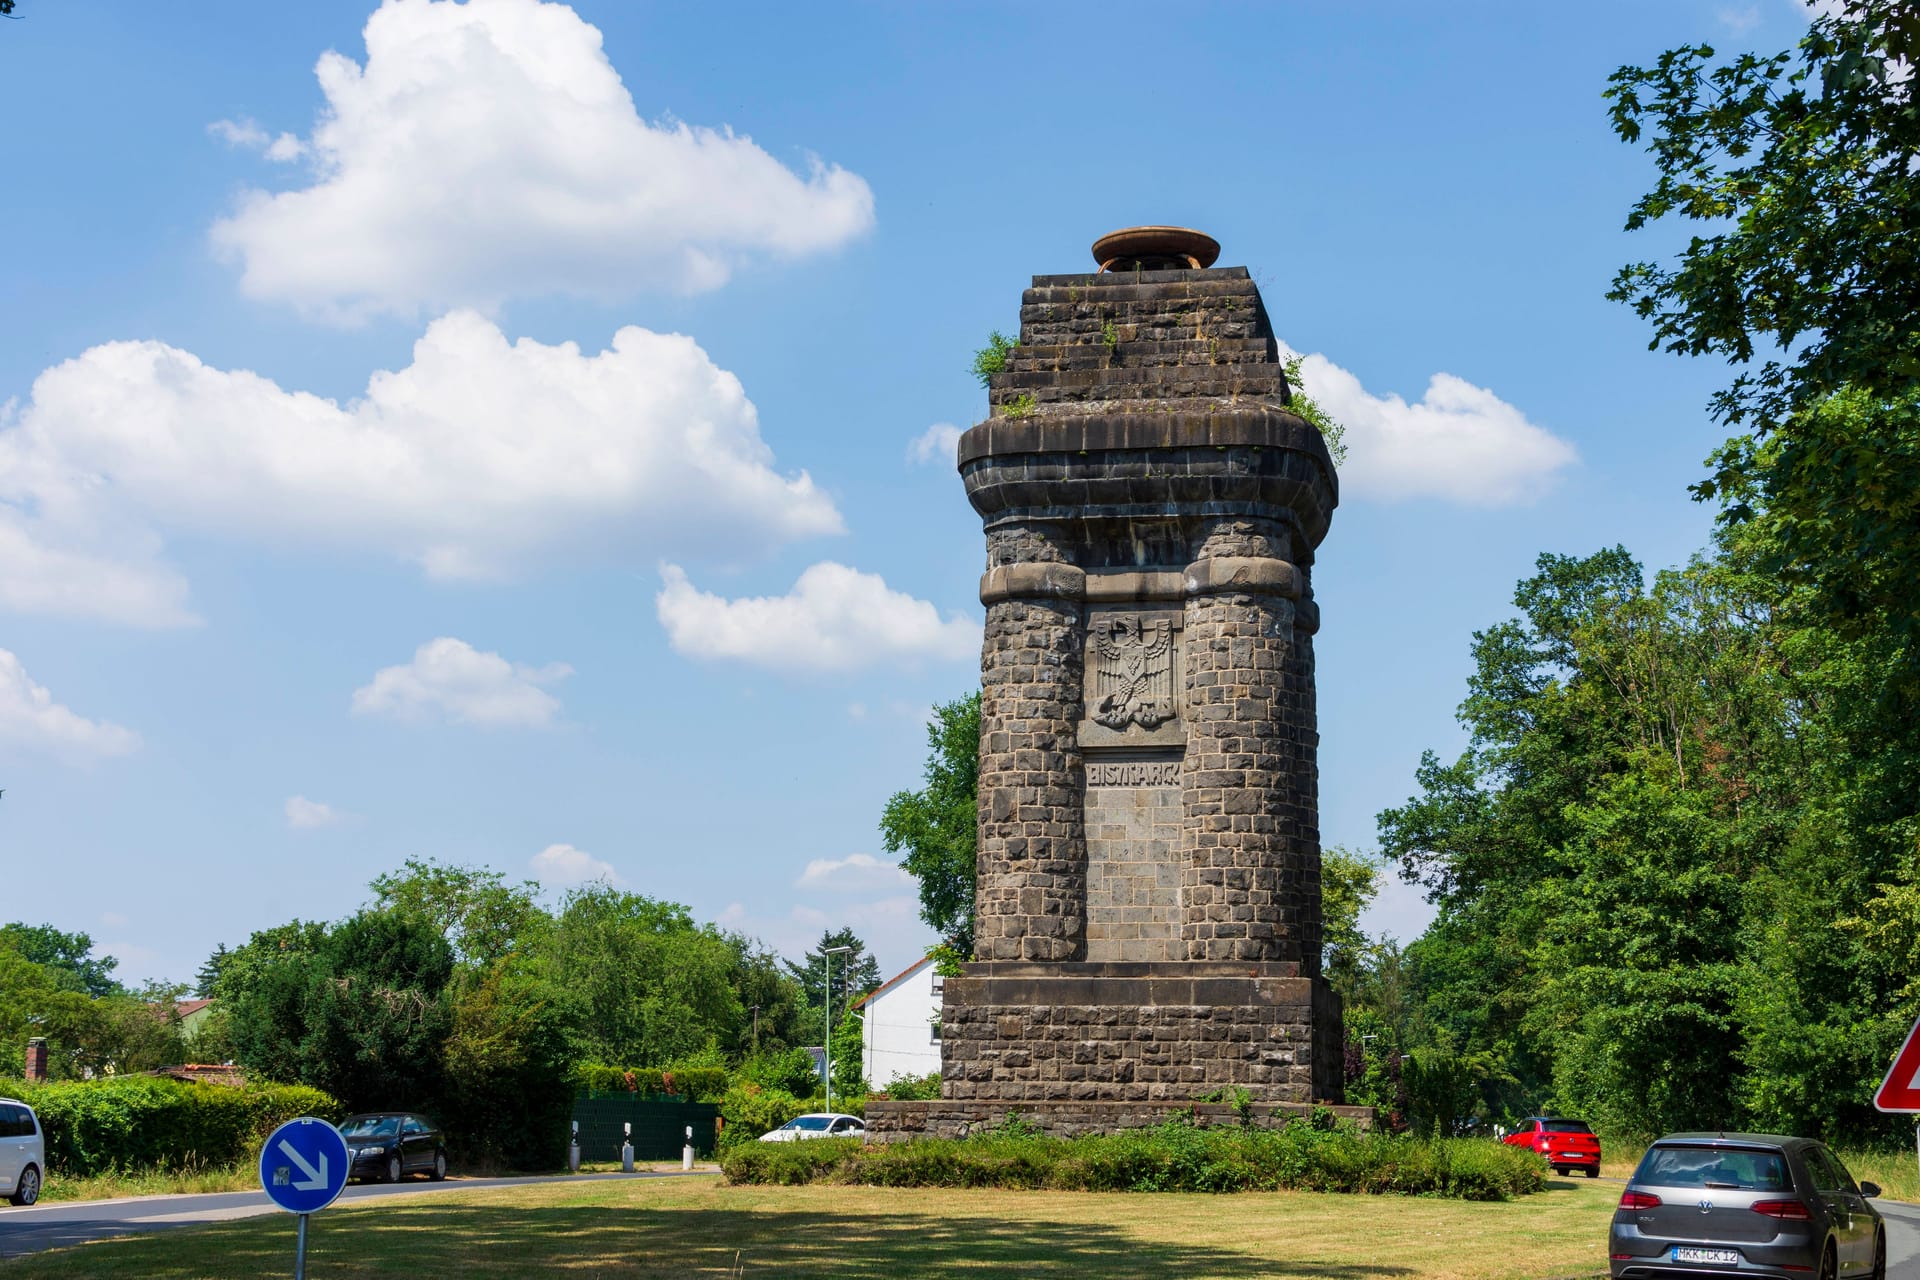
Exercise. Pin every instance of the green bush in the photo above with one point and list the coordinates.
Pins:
(791, 1071)
(913, 1088)
(151, 1122)
(697, 1084)
(1173, 1157)
(749, 1111)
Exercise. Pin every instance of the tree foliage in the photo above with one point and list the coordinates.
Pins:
(1801, 166)
(854, 974)
(1646, 858)
(68, 956)
(936, 826)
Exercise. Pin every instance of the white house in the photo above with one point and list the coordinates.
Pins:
(902, 1026)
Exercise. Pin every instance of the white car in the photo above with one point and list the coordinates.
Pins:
(23, 1152)
(818, 1124)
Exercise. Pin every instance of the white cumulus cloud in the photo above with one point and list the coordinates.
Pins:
(939, 443)
(1460, 442)
(481, 458)
(489, 150)
(565, 866)
(834, 619)
(854, 872)
(31, 720)
(310, 815)
(450, 679)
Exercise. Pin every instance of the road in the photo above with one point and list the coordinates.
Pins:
(50, 1226)
(1903, 1239)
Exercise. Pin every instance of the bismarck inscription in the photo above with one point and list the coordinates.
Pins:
(1133, 773)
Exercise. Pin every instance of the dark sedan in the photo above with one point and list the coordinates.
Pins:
(389, 1145)
(1745, 1204)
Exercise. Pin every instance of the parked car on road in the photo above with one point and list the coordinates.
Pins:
(389, 1145)
(1567, 1144)
(818, 1124)
(1748, 1204)
(23, 1152)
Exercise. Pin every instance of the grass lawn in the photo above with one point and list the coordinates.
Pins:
(701, 1226)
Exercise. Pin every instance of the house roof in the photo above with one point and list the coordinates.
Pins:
(182, 1009)
(894, 981)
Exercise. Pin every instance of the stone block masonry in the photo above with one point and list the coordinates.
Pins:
(1133, 862)
(1147, 908)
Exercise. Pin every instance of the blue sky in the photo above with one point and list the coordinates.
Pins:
(321, 548)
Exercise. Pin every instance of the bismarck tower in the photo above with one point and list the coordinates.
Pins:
(1147, 919)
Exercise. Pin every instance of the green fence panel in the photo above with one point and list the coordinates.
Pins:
(659, 1125)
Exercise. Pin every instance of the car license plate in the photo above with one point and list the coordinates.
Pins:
(1723, 1257)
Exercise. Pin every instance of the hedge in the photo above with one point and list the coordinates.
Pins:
(144, 1122)
(1173, 1157)
(697, 1084)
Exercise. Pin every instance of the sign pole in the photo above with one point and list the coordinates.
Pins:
(303, 1168)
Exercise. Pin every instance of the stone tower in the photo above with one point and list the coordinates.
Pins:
(1147, 922)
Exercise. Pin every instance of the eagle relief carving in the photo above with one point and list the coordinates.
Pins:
(1133, 670)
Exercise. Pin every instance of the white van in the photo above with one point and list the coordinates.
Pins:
(23, 1152)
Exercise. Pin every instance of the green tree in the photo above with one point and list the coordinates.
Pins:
(507, 1067)
(1349, 882)
(1642, 857)
(1802, 169)
(936, 826)
(69, 955)
(481, 916)
(360, 1010)
(854, 973)
(645, 985)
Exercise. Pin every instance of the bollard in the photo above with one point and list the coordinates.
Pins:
(686, 1152)
(626, 1150)
(573, 1150)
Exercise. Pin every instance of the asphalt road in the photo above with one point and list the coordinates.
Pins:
(1903, 1239)
(51, 1226)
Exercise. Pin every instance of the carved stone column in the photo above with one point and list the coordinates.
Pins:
(1239, 892)
(1030, 902)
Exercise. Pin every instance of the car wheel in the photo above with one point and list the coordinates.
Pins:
(439, 1166)
(1829, 1264)
(1594, 1172)
(393, 1168)
(1879, 1271)
(29, 1189)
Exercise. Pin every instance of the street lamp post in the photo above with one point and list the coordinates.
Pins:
(830, 952)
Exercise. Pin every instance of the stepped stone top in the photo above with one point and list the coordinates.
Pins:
(1152, 391)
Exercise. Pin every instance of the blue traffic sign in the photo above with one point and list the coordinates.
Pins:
(304, 1165)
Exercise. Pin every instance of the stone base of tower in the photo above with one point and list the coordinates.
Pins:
(1080, 1047)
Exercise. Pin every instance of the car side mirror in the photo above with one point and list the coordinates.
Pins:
(1869, 1189)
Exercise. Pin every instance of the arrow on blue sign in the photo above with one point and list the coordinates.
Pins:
(304, 1165)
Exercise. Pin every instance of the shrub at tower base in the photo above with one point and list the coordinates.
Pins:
(1173, 1157)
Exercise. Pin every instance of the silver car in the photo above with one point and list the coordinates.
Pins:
(1745, 1204)
(23, 1152)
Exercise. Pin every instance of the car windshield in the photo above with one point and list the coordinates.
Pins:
(372, 1127)
(1564, 1126)
(809, 1123)
(1730, 1167)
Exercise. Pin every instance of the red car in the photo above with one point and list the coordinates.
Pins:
(1567, 1144)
